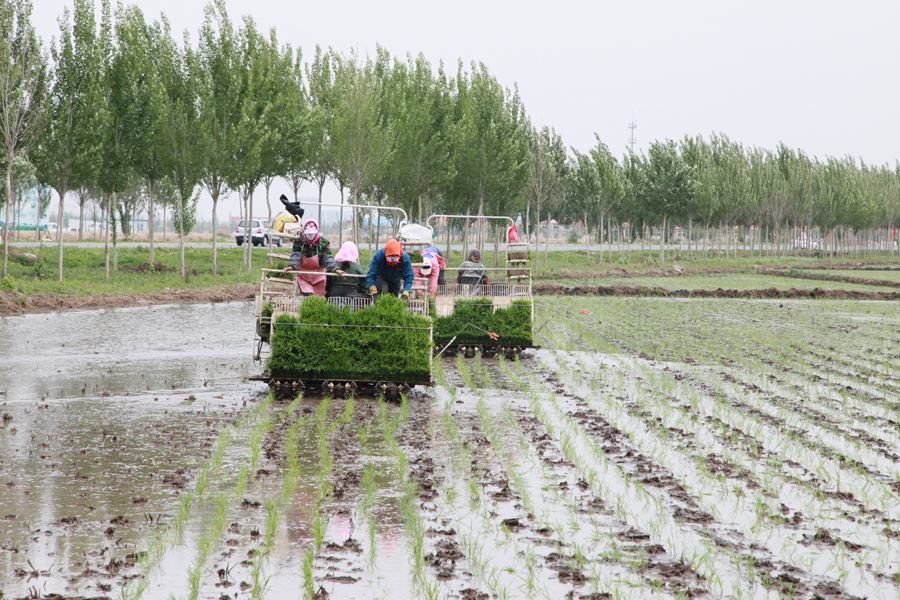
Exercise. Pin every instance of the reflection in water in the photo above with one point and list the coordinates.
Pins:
(89, 478)
(124, 350)
(106, 424)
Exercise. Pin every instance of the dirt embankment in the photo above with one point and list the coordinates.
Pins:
(549, 289)
(13, 303)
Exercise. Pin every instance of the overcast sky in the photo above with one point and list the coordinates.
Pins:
(822, 76)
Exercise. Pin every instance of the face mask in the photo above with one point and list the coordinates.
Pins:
(311, 234)
(393, 260)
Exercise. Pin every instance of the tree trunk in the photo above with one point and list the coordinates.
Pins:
(370, 232)
(547, 240)
(249, 222)
(377, 234)
(115, 237)
(268, 184)
(80, 220)
(106, 238)
(9, 164)
(248, 236)
(215, 224)
(527, 222)
(466, 232)
(321, 183)
(341, 219)
(706, 245)
(608, 237)
(618, 241)
(662, 242)
(642, 244)
(151, 226)
(497, 246)
(181, 234)
(587, 235)
(449, 237)
(690, 239)
(59, 228)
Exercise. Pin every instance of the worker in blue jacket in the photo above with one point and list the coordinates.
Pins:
(390, 271)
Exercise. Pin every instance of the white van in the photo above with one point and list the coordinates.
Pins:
(259, 233)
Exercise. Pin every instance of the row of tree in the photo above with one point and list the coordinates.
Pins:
(770, 194)
(121, 104)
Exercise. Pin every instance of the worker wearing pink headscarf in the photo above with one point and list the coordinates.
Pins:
(347, 260)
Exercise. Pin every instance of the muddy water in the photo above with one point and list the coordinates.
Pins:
(106, 416)
(108, 421)
(123, 351)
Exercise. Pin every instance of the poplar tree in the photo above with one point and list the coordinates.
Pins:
(68, 154)
(219, 90)
(143, 103)
(670, 186)
(22, 89)
(547, 170)
(488, 142)
(361, 140)
(181, 77)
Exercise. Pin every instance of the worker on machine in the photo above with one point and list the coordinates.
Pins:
(311, 256)
(347, 260)
(431, 271)
(471, 271)
(438, 263)
(390, 271)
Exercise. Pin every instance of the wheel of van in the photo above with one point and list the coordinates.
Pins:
(265, 241)
(239, 242)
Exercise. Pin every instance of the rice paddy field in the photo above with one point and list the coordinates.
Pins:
(879, 274)
(736, 281)
(651, 448)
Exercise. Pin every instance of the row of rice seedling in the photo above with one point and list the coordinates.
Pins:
(793, 429)
(382, 341)
(472, 318)
(778, 426)
(722, 503)
(578, 547)
(767, 501)
(164, 540)
(636, 504)
(484, 541)
(747, 356)
(590, 534)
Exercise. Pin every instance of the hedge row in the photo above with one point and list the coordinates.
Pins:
(348, 346)
(512, 325)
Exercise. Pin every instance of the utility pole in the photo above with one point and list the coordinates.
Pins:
(632, 126)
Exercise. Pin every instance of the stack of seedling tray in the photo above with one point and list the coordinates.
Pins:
(383, 342)
(473, 319)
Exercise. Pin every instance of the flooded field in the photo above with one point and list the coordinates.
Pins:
(652, 448)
